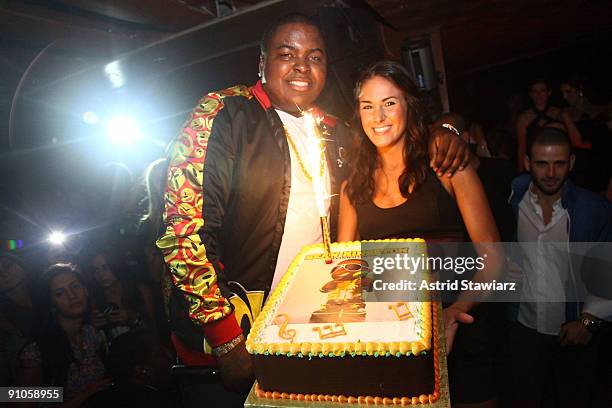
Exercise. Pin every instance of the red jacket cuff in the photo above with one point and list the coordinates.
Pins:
(221, 331)
(191, 357)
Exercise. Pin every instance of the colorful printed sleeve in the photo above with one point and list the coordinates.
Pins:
(188, 254)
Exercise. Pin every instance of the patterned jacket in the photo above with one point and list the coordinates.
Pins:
(226, 201)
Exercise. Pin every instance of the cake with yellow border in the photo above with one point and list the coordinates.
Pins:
(317, 339)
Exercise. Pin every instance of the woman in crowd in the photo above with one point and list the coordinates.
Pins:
(67, 351)
(392, 193)
(17, 315)
(118, 304)
(542, 114)
(592, 168)
(580, 107)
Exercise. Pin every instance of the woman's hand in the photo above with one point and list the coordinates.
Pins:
(98, 319)
(118, 316)
(452, 317)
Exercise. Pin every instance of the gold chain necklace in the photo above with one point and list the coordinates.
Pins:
(299, 158)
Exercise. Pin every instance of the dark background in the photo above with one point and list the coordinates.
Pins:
(53, 55)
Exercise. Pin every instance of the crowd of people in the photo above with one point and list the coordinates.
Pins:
(233, 203)
(62, 327)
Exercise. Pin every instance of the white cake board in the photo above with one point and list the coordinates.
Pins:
(253, 401)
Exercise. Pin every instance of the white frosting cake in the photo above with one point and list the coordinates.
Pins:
(320, 304)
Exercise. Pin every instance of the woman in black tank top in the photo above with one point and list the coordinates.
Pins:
(392, 193)
(430, 213)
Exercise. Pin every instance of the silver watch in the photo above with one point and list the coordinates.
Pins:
(227, 347)
(591, 325)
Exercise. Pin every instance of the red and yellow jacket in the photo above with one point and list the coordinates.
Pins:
(226, 201)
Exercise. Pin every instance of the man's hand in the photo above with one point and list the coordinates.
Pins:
(237, 369)
(452, 317)
(447, 151)
(574, 334)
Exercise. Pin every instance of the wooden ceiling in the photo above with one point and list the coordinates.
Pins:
(476, 34)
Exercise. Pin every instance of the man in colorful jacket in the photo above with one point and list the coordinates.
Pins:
(239, 203)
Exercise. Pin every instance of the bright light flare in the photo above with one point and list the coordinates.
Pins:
(91, 118)
(123, 130)
(114, 73)
(57, 238)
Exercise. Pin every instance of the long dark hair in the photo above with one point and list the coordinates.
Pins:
(131, 297)
(364, 157)
(53, 343)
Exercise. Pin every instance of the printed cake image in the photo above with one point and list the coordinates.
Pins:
(344, 300)
(316, 338)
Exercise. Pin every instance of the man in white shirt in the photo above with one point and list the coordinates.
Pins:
(553, 336)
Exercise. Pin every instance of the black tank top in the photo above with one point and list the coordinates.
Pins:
(541, 120)
(429, 213)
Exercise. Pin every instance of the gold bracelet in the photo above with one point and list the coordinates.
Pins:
(227, 347)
